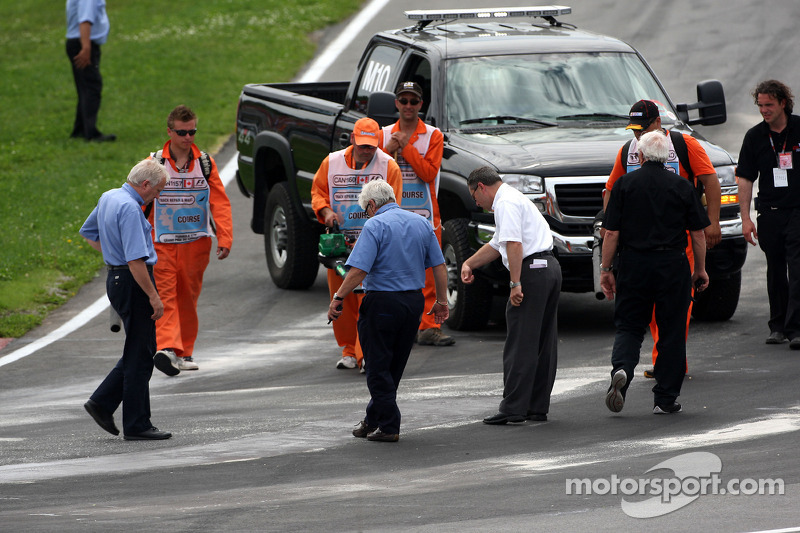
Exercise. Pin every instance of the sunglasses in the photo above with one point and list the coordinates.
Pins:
(406, 101)
(183, 133)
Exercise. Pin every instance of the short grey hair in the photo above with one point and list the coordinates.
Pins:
(486, 175)
(654, 146)
(147, 170)
(377, 190)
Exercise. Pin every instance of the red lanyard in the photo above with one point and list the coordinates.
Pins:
(777, 155)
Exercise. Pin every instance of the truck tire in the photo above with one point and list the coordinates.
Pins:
(718, 302)
(470, 304)
(290, 242)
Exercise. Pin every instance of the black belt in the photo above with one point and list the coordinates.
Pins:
(396, 292)
(539, 254)
(126, 267)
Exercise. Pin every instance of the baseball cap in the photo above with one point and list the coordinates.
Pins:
(642, 114)
(366, 131)
(409, 87)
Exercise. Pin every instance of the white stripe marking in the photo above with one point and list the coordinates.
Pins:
(333, 51)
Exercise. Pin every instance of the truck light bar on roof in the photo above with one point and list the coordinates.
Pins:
(429, 15)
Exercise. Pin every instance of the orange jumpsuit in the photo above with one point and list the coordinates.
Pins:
(698, 160)
(426, 169)
(345, 327)
(180, 267)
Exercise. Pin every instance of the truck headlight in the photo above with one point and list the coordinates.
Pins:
(524, 183)
(530, 186)
(726, 176)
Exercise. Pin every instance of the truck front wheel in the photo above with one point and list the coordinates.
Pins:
(471, 304)
(290, 242)
(718, 302)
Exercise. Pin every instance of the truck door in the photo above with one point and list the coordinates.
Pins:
(377, 71)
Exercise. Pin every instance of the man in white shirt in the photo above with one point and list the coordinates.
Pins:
(522, 239)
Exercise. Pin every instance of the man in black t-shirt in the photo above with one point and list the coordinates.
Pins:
(770, 152)
(647, 217)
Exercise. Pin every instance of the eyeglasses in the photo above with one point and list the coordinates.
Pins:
(366, 147)
(473, 195)
(183, 133)
(406, 101)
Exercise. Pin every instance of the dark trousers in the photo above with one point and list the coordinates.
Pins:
(89, 84)
(387, 325)
(646, 279)
(129, 381)
(530, 353)
(779, 238)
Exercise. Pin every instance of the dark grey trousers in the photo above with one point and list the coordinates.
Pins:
(531, 349)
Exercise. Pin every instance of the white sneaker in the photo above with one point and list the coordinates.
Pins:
(166, 361)
(186, 363)
(363, 369)
(347, 361)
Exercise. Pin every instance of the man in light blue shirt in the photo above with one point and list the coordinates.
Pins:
(87, 29)
(118, 229)
(389, 258)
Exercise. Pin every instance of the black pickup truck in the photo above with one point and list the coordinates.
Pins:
(542, 102)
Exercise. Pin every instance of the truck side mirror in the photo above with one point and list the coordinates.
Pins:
(710, 105)
(381, 108)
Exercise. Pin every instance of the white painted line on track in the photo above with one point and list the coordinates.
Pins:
(333, 51)
(68, 327)
(226, 174)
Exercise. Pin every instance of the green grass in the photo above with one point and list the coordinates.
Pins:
(200, 56)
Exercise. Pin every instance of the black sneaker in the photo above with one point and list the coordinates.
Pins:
(615, 401)
(664, 409)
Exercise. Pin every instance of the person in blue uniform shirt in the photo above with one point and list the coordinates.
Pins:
(389, 258)
(87, 31)
(118, 229)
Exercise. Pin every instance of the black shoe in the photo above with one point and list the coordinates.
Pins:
(503, 418)
(103, 419)
(166, 361)
(362, 430)
(615, 401)
(380, 436)
(102, 138)
(150, 434)
(664, 409)
(794, 344)
(650, 373)
(776, 337)
(536, 417)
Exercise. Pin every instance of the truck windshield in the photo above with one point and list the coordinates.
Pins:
(541, 90)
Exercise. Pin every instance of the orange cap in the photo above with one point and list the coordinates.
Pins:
(366, 131)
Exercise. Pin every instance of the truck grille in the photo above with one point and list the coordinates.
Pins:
(580, 200)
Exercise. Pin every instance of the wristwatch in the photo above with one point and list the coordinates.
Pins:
(604, 269)
(337, 297)
(513, 284)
